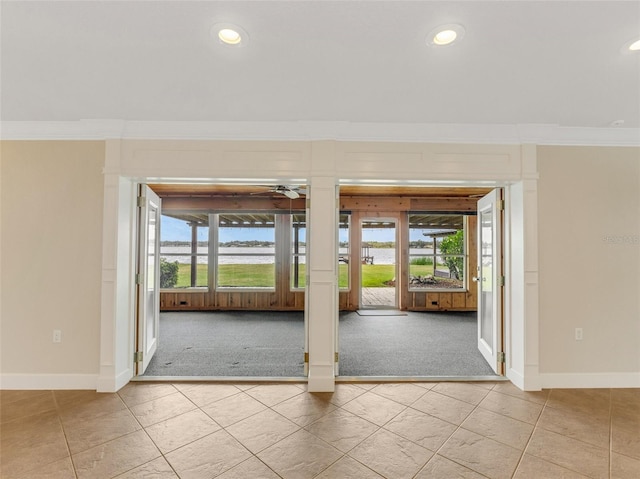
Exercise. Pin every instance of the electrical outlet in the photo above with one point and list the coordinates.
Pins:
(578, 334)
(57, 336)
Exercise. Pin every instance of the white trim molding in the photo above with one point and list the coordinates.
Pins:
(319, 130)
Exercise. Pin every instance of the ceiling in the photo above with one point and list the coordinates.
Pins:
(189, 190)
(519, 63)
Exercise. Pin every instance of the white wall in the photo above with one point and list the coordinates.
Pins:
(51, 201)
(589, 244)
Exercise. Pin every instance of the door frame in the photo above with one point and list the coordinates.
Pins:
(513, 166)
(394, 218)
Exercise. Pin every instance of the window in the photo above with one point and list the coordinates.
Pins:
(184, 250)
(245, 253)
(298, 251)
(344, 250)
(437, 251)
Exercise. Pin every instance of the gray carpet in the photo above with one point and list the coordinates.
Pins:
(418, 344)
(271, 344)
(232, 343)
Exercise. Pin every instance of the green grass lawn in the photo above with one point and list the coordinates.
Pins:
(263, 275)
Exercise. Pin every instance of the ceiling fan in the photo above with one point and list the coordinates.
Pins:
(290, 191)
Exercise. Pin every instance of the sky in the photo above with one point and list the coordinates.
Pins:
(177, 230)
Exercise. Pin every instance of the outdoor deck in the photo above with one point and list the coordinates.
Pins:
(372, 297)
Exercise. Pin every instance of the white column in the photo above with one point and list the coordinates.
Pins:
(116, 335)
(322, 302)
(521, 303)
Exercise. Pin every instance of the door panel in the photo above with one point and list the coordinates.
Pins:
(148, 292)
(489, 278)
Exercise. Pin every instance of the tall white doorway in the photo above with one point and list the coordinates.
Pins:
(378, 263)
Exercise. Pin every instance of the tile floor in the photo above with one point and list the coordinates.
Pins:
(363, 430)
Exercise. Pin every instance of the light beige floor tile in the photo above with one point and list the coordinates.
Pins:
(299, 456)
(374, 408)
(500, 428)
(367, 386)
(569, 453)
(181, 430)
(590, 429)
(303, 409)
(512, 407)
(440, 467)
(345, 393)
(29, 443)
(203, 394)
(594, 402)
(208, 457)
(157, 469)
(443, 407)
(627, 401)
(625, 434)
(623, 467)
(160, 409)
(137, 393)
(262, 430)
(425, 385)
(272, 394)
(83, 434)
(486, 384)
(423, 429)
(507, 387)
(466, 392)
(87, 405)
(342, 429)
(391, 455)
(33, 405)
(11, 395)
(532, 467)
(233, 409)
(346, 468)
(481, 454)
(404, 393)
(115, 457)
(62, 469)
(251, 468)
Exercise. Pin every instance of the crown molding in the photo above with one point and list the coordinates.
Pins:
(318, 130)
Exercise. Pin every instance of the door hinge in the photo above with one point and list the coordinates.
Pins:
(501, 357)
(141, 202)
(307, 203)
(137, 357)
(306, 357)
(502, 280)
(500, 205)
(337, 355)
(138, 278)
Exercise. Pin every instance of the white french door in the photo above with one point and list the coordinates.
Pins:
(490, 280)
(147, 278)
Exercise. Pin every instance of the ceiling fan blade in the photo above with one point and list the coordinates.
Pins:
(290, 194)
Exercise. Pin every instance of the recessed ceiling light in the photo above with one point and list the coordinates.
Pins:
(229, 34)
(632, 46)
(445, 35)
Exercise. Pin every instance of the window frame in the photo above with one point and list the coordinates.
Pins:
(439, 254)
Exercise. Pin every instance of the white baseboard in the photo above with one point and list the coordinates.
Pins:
(106, 383)
(589, 380)
(321, 378)
(48, 381)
